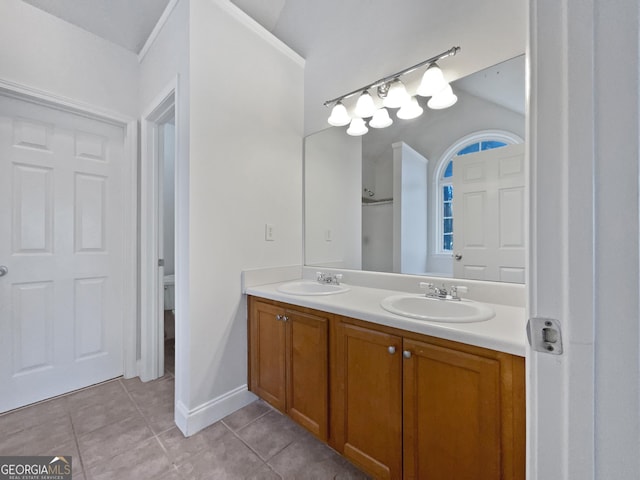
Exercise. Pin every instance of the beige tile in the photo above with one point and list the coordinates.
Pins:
(96, 395)
(77, 476)
(100, 445)
(271, 433)
(96, 415)
(160, 418)
(156, 392)
(246, 415)
(180, 448)
(227, 458)
(32, 416)
(67, 449)
(48, 434)
(145, 461)
(310, 459)
(263, 473)
(131, 384)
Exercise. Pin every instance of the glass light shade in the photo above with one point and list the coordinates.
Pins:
(443, 99)
(410, 109)
(432, 82)
(339, 116)
(365, 107)
(396, 96)
(357, 127)
(381, 119)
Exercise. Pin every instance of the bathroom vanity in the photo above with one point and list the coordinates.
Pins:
(401, 398)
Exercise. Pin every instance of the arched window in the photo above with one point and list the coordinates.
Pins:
(476, 142)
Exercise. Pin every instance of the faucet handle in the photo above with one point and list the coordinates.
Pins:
(428, 286)
(338, 277)
(456, 289)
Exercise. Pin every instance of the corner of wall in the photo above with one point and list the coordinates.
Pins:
(192, 421)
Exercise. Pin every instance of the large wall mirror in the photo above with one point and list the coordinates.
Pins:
(441, 195)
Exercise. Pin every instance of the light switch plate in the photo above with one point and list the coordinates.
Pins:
(269, 232)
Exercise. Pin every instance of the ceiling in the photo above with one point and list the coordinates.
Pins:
(345, 43)
(127, 23)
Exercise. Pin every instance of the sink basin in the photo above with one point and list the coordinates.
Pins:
(433, 309)
(309, 287)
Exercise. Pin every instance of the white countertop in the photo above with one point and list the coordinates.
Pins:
(506, 332)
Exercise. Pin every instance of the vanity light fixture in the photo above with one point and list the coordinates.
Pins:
(381, 119)
(339, 115)
(443, 99)
(410, 109)
(432, 81)
(393, 94)
(365, 107)
(357, 127)
(396, 94)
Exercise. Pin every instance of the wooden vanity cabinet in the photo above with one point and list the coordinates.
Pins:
(288, 362)
(367, 418)
(416, 407)
(400, 405)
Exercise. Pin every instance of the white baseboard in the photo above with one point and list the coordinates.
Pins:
(194, 420)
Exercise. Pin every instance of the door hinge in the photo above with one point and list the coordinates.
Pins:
(544, 335)
(161, 262)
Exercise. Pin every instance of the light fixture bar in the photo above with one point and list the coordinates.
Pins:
(449, 53)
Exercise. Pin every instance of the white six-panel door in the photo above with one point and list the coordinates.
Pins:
(489, 215)
(61, 224)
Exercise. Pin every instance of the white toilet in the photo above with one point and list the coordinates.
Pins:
(170, 292)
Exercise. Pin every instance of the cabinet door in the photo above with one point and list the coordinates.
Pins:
(307, 366)
(452, 420)
(267, 357)
(369, 404)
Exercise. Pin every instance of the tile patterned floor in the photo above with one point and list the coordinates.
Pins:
(123, 429)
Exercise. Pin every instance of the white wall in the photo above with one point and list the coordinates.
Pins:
(584, 158)
(167, 62)
(333, 195)
(432, 134)
(373, 40)
(168, 194)
(410, 199)
(245, 171)
(377, 236)
(40, 51)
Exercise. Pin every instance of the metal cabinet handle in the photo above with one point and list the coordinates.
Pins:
(406, 354)
(278, 317)
(391, 349)
(3, 270)
(285, 318)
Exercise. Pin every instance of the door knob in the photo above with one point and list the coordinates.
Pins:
(458, 257)
(391, 349)
(3, 270)
(406, 354)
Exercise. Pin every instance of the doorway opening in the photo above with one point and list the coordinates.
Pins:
(157, 235)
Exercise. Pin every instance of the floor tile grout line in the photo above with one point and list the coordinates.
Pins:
(255, 451)
(144, 417)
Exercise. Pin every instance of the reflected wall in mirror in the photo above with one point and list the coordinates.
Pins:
(441, 195)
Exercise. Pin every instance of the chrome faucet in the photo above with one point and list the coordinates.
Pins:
(330, 278)
(442, 293)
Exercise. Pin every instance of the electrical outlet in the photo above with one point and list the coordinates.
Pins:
(269, 232)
